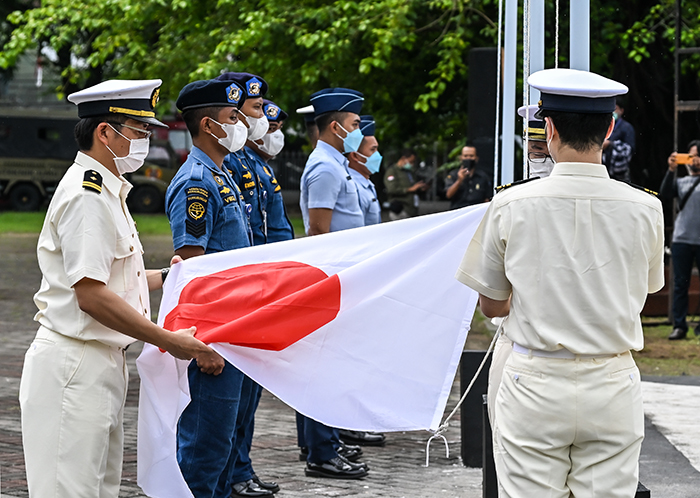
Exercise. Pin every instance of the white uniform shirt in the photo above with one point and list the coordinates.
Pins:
(578, 251)
(89, 234)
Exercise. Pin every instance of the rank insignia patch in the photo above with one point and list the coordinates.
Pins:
(233, 93)
(92, 181)
(254, 86)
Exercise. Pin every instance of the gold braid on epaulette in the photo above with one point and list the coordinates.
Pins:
(501, 188)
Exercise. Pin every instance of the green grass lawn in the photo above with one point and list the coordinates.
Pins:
(147, 224)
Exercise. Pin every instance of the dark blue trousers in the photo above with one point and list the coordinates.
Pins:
(207, 430)
(683, 256)
(242, 469)
(320, 439)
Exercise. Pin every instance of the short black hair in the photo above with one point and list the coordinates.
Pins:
(85, 128)
(694, 143)
(193, 117)
(581, 132)
(407, 152)
(324, 120)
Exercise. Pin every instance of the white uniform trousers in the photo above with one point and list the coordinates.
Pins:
(72, 397)
(501, 352)
(568, 427)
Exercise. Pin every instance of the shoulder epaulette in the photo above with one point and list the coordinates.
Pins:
(501, 188)
(648, 191)
(92, 181)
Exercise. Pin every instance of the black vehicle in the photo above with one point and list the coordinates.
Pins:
(37, 147)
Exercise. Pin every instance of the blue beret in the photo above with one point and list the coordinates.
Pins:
(273, 111)
(253, 85)
(367, 125)
(210, 93)
(337, 99)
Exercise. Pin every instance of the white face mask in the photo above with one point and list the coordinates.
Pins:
(138, 150)
(236, 135)
(257, 127)
(543, 170)
(273, 143)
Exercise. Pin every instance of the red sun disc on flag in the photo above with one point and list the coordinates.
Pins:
(265, 306)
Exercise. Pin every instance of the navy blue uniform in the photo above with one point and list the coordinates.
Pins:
(239, 165)
(206, 209)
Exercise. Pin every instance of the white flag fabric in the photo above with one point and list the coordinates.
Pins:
(361, 329)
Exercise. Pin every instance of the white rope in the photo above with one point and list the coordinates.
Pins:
(556, 35)
(497, 144)
(526, 87)
(443, 427)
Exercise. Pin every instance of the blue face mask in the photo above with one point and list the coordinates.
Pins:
(373, 162)
(352, 139)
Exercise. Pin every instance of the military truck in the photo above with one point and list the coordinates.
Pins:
(37, 147)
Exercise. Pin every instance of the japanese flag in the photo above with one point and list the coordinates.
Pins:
(361, 329)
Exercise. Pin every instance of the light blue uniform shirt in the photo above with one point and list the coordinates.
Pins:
(368, 198)
(326, 183)
(205, 207)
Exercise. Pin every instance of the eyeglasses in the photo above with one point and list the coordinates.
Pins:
(141, 132)
(538, 157)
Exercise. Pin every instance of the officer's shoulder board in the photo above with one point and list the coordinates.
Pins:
(92, 180)
(501, 188)
(648, 191)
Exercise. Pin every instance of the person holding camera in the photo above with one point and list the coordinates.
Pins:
(685, 246)
(468, 185)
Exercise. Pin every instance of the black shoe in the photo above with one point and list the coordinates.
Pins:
(678, 333)
(303, 453)
(270, 485)
(354, 464)
(362, 438)
(349, 452)
(335, 468)
(249, 488)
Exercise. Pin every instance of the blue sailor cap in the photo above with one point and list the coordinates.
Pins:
(337, 99)
(135, 99)
(253, 85)
(535, 126)
(367, 125)
(210, 93)
(273, 112)
(571, 90)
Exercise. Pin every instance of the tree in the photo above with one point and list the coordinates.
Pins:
(409, 57)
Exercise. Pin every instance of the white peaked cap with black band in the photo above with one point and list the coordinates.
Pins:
(575, 91)
(135, 99)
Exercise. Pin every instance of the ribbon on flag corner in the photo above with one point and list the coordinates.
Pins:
(361, 329)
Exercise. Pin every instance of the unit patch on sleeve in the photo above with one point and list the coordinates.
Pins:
(92, 181)
(197, 201)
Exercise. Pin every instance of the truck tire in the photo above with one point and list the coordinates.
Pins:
(25, 197)
(145, 199)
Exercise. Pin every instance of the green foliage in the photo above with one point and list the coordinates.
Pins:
(407, 56)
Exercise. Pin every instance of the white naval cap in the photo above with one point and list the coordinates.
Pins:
(135, 99)
(571, 90)
(535, 126)
(309, 109)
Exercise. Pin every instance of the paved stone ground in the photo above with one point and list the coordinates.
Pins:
(397, 469)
